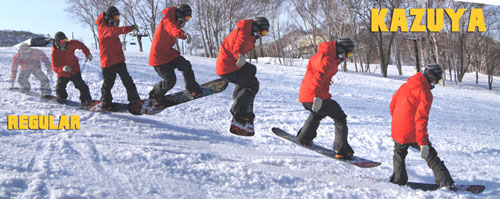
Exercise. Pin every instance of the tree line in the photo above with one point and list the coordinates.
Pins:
(298, 26)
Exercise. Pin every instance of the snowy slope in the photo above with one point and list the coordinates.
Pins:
(187, 152)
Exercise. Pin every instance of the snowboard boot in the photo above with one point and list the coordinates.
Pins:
(61, 100)
(448, 187)
(242, 126)
(107, 106)
(196, 93)
(345, 156)
(305, 143)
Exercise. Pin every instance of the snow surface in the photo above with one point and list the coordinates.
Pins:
(187, 152)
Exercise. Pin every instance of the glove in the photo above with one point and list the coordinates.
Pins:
(424, 151)
(188, 38)
(135, 27)
(317, 102)
(88, 58)
(67, 69)
(241, 60)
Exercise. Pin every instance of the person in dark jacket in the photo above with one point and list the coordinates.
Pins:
(65, 64)
(315, 97)
(112, 57)
(409, 108)
(232, 65)
(165, 59)
(28, 61)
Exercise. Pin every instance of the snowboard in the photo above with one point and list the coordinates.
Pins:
(356, 161)
(94, 106)
(146, 106)
(460, 187)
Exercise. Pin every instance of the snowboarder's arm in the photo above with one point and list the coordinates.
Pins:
(173, 30)
(81, 46)
(422, 117)
(243, 43)
(56, 65)
(320, 73)
(109, 31)
(13, 70)
(393, 102)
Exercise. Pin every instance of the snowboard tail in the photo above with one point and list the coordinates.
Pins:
(356, 161)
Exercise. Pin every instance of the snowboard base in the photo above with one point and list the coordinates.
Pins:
(146, 106)
(459, 187)
(356, 161)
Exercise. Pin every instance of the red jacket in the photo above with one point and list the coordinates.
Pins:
(239, 41)
(321, 68)
(166, 35)
(110, 46)
(410, 107)
(29, 63)
(67, 57)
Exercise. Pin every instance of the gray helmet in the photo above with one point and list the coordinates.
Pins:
(260, 24)
(182, 11)
(57, 38)
(110, 13)
(344, 45)
(433, 72)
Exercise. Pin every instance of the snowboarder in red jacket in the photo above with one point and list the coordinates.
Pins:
(165, 59)
(232, 65)
(112, 57)
(315, 97)
(409, 108)
(29, 59)
(65, 64)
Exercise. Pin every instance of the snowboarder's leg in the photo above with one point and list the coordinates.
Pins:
(24, 75)
(61, 87)
(189, 79)
(399, 175)
(109, 77)
(247, 86)
(165, 71)
(127, 81)
(333, 110)
(80, 85)
(308, 131)
(442, 176)
(44, 81)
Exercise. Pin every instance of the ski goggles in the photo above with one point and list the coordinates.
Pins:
(187, 18)
(264, 32)
(116, 17)
(349, 54)
(63, 41)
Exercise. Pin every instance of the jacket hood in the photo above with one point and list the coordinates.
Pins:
(327, 47)
(169, 12)
(419, 79)
(100, 19)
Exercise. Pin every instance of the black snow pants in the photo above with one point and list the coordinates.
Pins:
(166, 71)
(79, 84)
(109, 76)
(399, 176)
(24, 76)
(245, 89)
(333, 110)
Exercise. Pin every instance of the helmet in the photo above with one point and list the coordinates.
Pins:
(260, 24)
(344, 45)
(57, 38)
(24, 50)
(110, 13)
(182, 11)
(433, 72)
